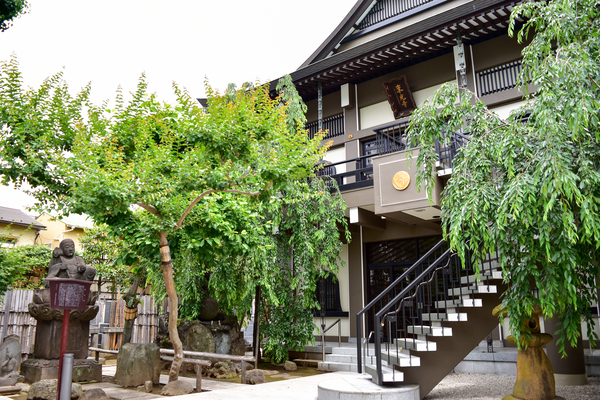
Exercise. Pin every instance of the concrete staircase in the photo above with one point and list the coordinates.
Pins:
(454, 324)
(344, 359)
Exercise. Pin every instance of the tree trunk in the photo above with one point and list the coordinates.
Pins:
(130, 302)
(255, 333)
(167, 269)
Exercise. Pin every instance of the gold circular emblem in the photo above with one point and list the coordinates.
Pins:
(401, 180)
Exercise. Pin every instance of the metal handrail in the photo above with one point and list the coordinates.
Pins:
(385, 292)
(418, 281)
(323, 330)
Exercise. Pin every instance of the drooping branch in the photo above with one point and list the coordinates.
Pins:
(207, 192)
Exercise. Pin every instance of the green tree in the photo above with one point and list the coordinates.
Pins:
(104, 252)
(9, 10)
(306, 247)
(23, 266)
(168, 179)
(530, 187)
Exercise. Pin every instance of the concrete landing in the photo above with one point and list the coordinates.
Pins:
(361, 387)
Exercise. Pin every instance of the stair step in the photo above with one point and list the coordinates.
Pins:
(337, 366)
(351, 351)
(399, 359)
(429, 330)
(349, 359)
(389, 374)
(415, 344)
(459, 303)
(472, 289)
(454, 317)
(493, 274)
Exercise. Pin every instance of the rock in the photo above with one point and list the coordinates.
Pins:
(94, 394)
(46, 390)
(196, 337)
(23, 386)
(177, 388)
(138, 363)
(209, 309)
(255, 377)
(148, 386)
(290, 366)
(42, 390)
(222, 370)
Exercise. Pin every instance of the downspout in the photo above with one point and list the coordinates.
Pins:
(63, 233)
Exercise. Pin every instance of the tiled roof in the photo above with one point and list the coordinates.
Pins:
(18, 217)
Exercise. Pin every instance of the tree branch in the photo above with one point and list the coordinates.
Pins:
(207, 192)
(595, 83)
(150, 209)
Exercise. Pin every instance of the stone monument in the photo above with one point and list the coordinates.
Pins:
(64, 264)
(10, 360)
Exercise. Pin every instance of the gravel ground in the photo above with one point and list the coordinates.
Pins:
(495, 387)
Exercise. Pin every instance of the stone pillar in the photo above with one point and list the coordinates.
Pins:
(569, 370)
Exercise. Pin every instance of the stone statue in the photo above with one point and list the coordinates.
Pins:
(65, 264)
(10, 360)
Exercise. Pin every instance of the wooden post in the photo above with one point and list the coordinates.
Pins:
(243, 372)
(198, 378)
(7, 303)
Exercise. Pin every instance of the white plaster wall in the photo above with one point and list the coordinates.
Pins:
(337, 154)
(504, 110)
(381, 113)
(343, 279)
(376, 114)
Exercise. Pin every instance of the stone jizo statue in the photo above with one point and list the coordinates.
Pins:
(65, 264)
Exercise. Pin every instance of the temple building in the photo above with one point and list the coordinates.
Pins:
(381, 62)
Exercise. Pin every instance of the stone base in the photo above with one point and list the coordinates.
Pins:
(511, 397)
(361, 387)
(570, 379)
(35, 370)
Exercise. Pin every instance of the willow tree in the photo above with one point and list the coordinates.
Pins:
(529, 185)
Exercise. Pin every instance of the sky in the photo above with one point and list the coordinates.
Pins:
(110, 43)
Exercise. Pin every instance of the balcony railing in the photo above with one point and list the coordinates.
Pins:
(358, 172)
(500, 78)
(350, 174)
(447, 152)
(334, 125)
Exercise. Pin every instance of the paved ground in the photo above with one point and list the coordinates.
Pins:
(453, 387)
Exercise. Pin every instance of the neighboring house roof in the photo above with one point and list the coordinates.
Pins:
(77, 221)
(13, 216)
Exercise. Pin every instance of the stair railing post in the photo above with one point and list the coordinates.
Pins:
(378, 349)
(339, 333)
(358, 342)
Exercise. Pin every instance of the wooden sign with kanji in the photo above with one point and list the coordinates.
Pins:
(400, 97)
